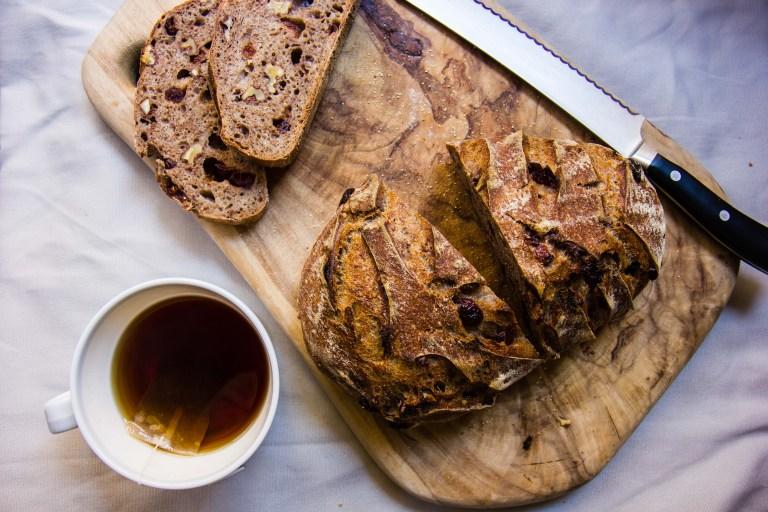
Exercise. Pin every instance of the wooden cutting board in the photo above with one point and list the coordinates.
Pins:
(400, 89)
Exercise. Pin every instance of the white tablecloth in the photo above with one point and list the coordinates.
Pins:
(81, 219)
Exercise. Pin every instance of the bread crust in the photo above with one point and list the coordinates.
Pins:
(177, 124)
(579, 229)
(400, 319)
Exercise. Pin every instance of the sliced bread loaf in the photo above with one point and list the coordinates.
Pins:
(268, 66)
(400, 319)
(177, 124)
(578, 228)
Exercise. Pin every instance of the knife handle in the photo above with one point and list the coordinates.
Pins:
(743, 236)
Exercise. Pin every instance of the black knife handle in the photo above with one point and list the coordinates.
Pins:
(745, 237)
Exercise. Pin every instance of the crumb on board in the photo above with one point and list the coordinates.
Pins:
(564, 422)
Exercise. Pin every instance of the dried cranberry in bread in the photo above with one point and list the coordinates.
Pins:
(578, 228)
(177, 125)
(269, 63)
(396, 315)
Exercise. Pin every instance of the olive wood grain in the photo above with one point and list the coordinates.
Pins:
(400, 89)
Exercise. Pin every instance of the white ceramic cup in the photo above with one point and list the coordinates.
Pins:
(91, 405)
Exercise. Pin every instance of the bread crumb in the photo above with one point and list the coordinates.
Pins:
(564, 422)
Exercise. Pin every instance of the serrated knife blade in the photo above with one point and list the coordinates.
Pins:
(603, 114)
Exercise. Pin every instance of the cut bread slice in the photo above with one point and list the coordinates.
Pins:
(268, 66)
(579, 230)
(177, 124)
(400, 319)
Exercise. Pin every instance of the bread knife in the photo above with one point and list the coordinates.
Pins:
(604, 115)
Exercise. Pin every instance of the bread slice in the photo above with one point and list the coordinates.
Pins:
(578, 228)
(177, 125)
(268, 66)
(395, 314)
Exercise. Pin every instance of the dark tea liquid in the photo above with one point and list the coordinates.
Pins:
(197, 355)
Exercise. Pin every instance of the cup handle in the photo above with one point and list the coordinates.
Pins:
(59, 414)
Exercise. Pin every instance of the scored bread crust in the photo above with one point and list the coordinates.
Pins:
(400, 319)
(177, 124)
(578, 228)
(269, 64)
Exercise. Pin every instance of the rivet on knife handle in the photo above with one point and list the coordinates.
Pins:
(745, 237)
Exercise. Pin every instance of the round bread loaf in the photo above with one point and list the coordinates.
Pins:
(395, 314)
(401, 320)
